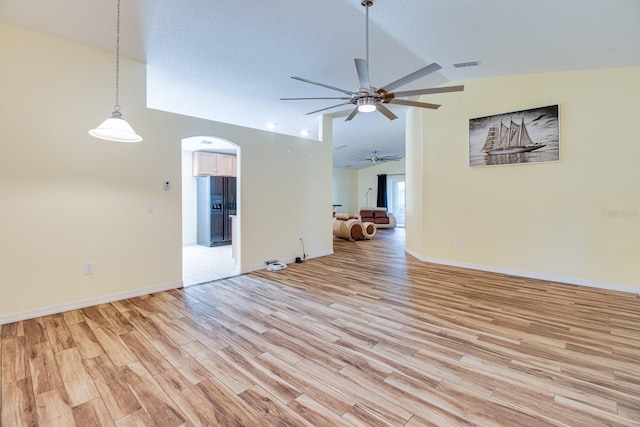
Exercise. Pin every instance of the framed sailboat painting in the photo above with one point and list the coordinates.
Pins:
(525, 136)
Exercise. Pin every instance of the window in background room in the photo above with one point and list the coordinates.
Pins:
(395, 196)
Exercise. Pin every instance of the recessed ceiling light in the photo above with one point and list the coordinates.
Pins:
(304, 132)
(271, 125)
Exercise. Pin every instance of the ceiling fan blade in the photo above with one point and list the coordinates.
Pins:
(328, 108)
(339, 113)
(352, 115)
(344, 98)
(430, 91)
(414, 103)
(411, 77)
(384, 110)
(323, 85)
(363, 73)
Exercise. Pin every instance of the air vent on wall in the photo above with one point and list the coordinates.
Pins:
(467, 64)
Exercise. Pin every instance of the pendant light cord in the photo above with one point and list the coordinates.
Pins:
(116, 108)
(116, 128)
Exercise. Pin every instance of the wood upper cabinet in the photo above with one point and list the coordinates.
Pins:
(204, 163)
(213, 164)
(226, 165)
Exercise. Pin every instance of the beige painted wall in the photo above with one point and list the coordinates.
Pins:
(345, 190)
(368, 178)
(555, 220)
(414, 187)
(350, 185)
(67, 198)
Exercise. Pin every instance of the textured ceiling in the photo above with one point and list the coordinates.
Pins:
(230, 60)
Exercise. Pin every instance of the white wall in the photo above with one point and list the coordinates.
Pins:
(68, 198)
(350, 185)
(345, 190)
(368, 178)
(189, 201)
(549, 220)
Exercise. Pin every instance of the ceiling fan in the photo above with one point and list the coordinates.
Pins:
(374, 158)
(368, 98)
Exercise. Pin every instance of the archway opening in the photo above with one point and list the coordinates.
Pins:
(210, 209)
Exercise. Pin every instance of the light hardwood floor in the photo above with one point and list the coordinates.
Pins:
(366, 337)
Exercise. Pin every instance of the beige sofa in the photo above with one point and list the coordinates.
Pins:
(379, 216)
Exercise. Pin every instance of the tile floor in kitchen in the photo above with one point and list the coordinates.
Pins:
(201, 264)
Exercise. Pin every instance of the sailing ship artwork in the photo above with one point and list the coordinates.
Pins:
(524, 136)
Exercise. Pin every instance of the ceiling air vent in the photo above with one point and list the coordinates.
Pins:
(467, 64)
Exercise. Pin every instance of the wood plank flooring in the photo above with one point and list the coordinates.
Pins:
(366, 337)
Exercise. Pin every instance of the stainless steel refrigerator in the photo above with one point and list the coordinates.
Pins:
(216, 202)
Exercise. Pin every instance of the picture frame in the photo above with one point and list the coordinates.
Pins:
(524, 136)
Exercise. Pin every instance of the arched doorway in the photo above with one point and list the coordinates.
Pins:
(204, 261)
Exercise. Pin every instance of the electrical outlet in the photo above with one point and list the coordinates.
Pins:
(88, 268)
(458, 242)
(300, 237)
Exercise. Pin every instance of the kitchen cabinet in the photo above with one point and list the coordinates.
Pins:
(206, 163)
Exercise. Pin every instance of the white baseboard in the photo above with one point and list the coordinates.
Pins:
(54, 309)
(530, 275)
(30, 314)
(258, 267)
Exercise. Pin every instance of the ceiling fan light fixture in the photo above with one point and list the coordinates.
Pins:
(367, 104)
(367, 98)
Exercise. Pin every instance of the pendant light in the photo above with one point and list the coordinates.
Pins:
(115, 128)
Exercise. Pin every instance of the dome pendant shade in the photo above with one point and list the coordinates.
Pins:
(115, 128)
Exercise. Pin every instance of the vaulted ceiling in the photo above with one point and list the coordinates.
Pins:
(231, 60)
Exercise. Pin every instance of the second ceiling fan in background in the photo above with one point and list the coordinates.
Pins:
(368, 98)
(375, 158)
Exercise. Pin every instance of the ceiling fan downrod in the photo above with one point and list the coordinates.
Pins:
(369, 98)
(367, 4)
